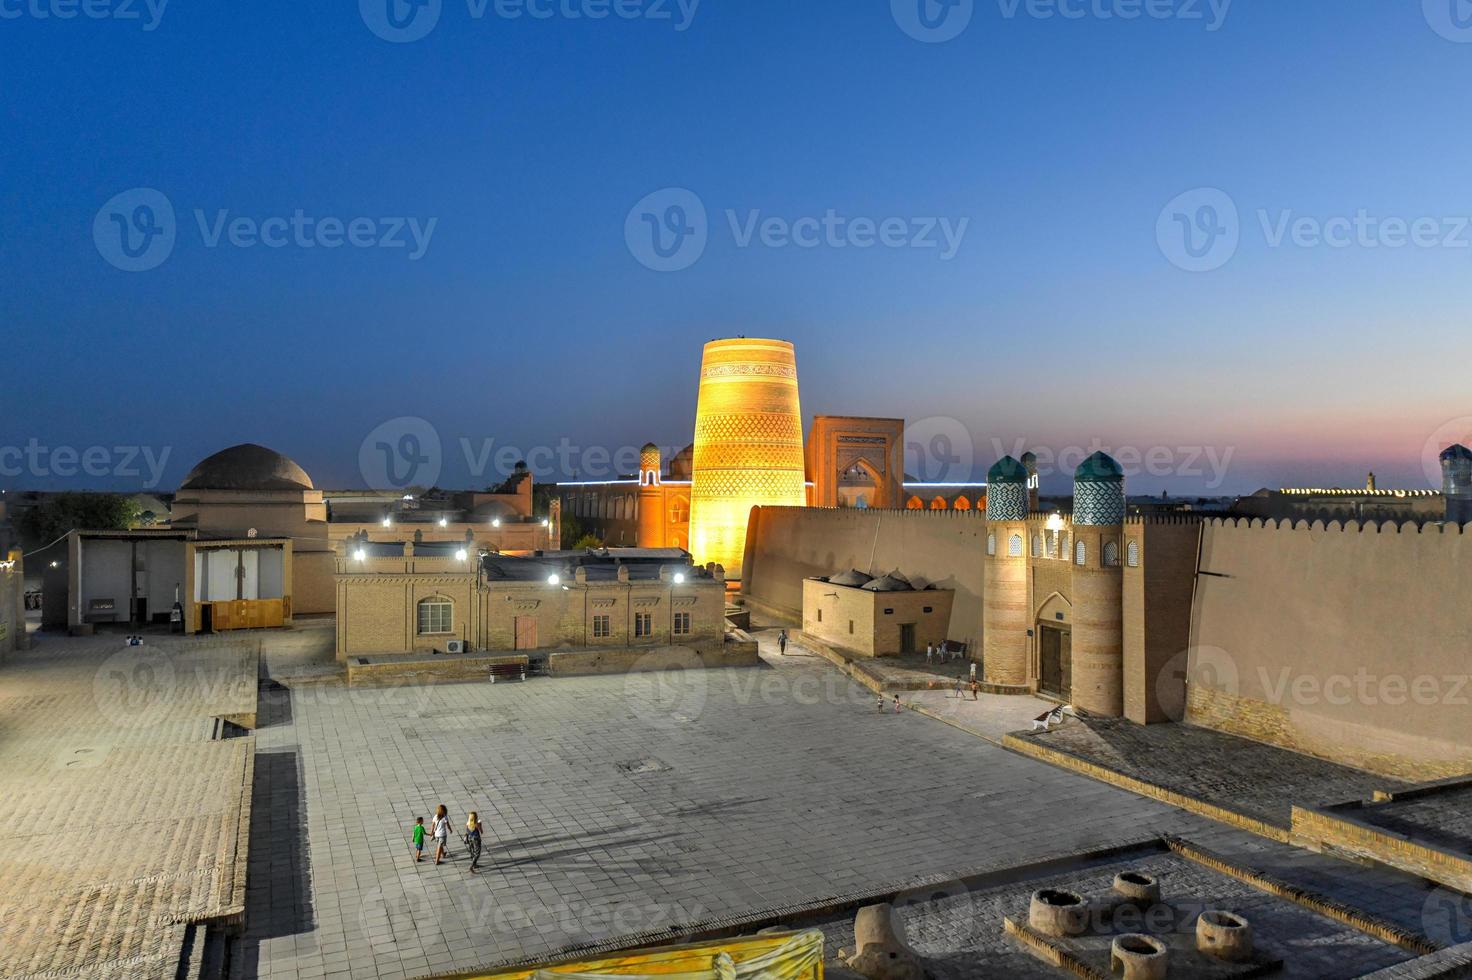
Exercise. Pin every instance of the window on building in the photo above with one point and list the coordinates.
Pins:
(915, 503)
(1037, 546)
(938, 503)
(820, 615)
(643, 625)
(1014, 546)
(850, 625)
(1132, 553)
(680, 511)
(1111, 554)
(682, 624)
(991, 544)
(602, 627)
(1080, 553)
(436, 616)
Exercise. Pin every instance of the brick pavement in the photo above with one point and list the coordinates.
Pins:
(766, 788)
(628, 805)
(120, 818)
(1259, 781)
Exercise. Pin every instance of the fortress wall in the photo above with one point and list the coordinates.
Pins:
(788, 544)
(1350, 642)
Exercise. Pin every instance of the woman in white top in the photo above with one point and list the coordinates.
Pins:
(440, 831)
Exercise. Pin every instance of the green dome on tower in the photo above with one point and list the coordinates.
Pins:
(1007, 470)
(1099, 468)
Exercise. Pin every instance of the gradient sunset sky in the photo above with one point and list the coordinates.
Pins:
(1063, 320)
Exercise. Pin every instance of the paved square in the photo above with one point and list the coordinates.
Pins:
(624, 805)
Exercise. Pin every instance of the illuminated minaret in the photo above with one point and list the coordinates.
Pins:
(650, 533)
(1098, 586)
(748, 445)
(1004, 600)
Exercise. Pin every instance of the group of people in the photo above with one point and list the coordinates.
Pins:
(941, 653)
(439, 832)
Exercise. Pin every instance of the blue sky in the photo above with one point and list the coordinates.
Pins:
(1064, 318)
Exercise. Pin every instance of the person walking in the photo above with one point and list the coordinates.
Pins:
(881, 704)
(418, 839)
(473, 839)
(782, 642)
(958, 689)
(439, 829)
(897, 705)
(975, 690)
(929, 652)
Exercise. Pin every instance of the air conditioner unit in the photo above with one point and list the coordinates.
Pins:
(455, 646)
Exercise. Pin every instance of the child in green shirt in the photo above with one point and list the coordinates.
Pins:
(418, 838)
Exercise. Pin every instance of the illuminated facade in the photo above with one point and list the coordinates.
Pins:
(748, 444)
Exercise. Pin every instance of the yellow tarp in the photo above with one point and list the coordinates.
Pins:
(778, 956)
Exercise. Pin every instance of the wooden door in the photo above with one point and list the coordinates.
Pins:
(907, 638)
(1056, 667)
(526, 632)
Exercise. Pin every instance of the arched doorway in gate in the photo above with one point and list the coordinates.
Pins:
(1054, 630)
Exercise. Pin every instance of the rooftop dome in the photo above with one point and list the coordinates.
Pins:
(247, 467)
(893, 582)
(852, 578)
(1099, 468)
(1006, 470)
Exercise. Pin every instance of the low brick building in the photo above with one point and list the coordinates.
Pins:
(403, 597)
(875, 617)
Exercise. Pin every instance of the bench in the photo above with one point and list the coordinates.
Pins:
(506, 671)
(1048, 719)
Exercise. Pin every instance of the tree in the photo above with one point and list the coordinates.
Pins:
(572, 530)
(59, 513)
(588, 541)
